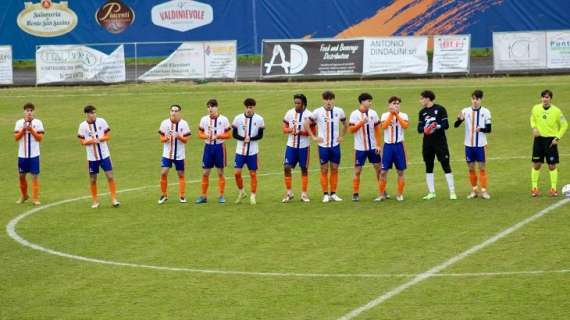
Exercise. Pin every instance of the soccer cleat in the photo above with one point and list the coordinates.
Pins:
(116, 203)
(355, 197)
(472, 195)
(305, 197)
(387, 196)
(452, 196)
(287, 198)
(22, 199)
(221, 199)
(252, 200)
(182, 200)
(429, 196)
(534, 192)
(201, 199)
(326, 198)
(380, 198)
(95, 205)
(485, 195)
(36, 202)
(400, 197)
(553, 192)
(162, 199)
(334, 197)
(241, 195)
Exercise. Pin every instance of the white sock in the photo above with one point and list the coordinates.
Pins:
(430, 182)
(450, 183)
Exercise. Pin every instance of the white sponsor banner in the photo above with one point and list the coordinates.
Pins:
(395, 55)
(451, 53)
(519, 50)
(6, 74)
(76, 63)
(197, 60)
(558, 49)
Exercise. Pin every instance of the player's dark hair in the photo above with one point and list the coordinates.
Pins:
(428, 94)
(249, 102)
(477, 94)
(394, 98)
(176, 106)
(301, 97)
(328, 95)
(29, 105)
(212, 103)
(547, 92)
(364, 96)
(89, 109)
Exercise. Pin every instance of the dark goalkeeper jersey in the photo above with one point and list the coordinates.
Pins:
(438, 114)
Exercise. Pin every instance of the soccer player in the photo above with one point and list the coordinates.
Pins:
(364, 123)
(548, 126)
(247, 130)
(477, 125)
(432, 123)
(29, 132)
(394, 123)
(214, 129)
(296, 124)
(329, 135)
(93, 133)
(174, 134)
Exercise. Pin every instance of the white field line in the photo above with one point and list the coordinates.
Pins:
(453, 260)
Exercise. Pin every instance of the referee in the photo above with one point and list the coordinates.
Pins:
(432, 123)
(548, 126)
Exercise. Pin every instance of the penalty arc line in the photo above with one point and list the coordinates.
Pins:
(453, 260)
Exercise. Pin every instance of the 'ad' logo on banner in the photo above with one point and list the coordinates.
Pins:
(182, 15)
(296, 64)
(115, 16)
(47, 18)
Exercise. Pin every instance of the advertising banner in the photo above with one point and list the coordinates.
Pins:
(311, 58)
(519, 50)
(451, 53)
(395, 55)
(75, 63)
(558, 49)
(6, 74)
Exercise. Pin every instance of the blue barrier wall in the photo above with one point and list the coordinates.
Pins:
(249, 21)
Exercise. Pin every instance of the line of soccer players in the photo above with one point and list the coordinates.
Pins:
(378, 139)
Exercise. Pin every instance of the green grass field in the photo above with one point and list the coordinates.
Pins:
(274, 260)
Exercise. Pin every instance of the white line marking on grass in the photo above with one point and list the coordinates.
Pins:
(433, 271)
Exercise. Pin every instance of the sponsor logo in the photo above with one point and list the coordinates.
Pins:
(298, 59)
(115, 16)
(47, 18)
(452, 43)
(77, 55)
(182, 15)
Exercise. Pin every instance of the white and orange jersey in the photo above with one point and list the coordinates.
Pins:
(214, 126)
(29, 147)
(97, 129)
(364, 138)
(476, 118)
(394, 132)
(328, 125)
(248, 127)
(173, 148)
(294, 119)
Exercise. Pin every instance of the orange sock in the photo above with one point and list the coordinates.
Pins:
(23, 187)
(239, 180)
(163, 184)
(304, 183)
(113, 189)
(182, 186)
(483, 178)
(324, 182)
(382, 186)
(334, 180)
(205, 182)
(94, 191)
(473, 178)
(355, 184)
(288, 182)
(401, 184)
(253, 181)
(35, 189)
(221, 184)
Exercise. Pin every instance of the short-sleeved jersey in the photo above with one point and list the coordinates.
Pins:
(476, 118)
(394, 133)
(438, 114)
(364, 138)
(214, 126)
(328, 125)
(295, 119)
(248, 127)
(173, 148)
(29, 147)
(549, 122)
(97, 129)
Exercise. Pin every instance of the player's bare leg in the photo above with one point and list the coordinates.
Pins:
(112, 188)
(289, 193)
